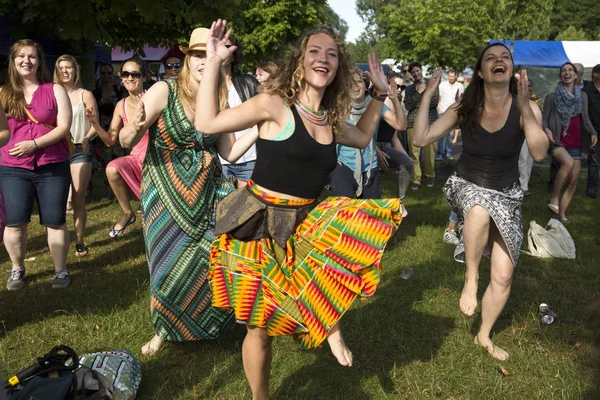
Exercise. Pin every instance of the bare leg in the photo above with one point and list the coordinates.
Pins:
(256, 354)
(121, 191)
(15, 240)
(80, 175)
(58, 242)
(338, 346)
(475, 236)
(153, 346)
(566, 165)
(496, 294)
(570, 190)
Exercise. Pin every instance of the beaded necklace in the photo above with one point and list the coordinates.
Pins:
(316, 117)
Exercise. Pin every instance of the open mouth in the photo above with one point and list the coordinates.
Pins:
(499, 70)
(321, 71)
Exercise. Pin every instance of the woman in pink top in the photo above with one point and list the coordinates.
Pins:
(35, 163)
(124, 173)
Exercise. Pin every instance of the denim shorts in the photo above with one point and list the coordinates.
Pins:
(574, 152)
(240, 171)
(48, 185)
(77, 156)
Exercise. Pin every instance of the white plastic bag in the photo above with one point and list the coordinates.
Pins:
(554, 241)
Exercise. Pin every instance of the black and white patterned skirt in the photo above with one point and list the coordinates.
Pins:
(504, 206)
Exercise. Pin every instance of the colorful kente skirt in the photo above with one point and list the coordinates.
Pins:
(300, 284)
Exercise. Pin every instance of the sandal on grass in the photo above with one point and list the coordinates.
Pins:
(553, 207)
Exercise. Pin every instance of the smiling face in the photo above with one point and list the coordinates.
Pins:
(26, 61)
(568, 74)
(320, 62)
(67, 72)
(197, 61)
(358, 88)
(172, 67)
(132, 77)
(416, 73)
(496, 65)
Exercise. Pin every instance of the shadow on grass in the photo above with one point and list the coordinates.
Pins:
(93, 290)
(384, 333)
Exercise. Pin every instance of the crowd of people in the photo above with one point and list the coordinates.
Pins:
(230, 168)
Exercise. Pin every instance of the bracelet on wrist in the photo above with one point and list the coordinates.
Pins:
(34, 143)
(379, 97)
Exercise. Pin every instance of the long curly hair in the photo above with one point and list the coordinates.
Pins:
(12, 96)
(288, 79)
(76, 70)
(472, 106)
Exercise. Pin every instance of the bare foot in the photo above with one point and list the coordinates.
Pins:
(338, 347)
(404, 212)
(153, 346)
(468, 298)
(494, 351)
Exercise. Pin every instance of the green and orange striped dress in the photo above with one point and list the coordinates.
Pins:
(182, 182)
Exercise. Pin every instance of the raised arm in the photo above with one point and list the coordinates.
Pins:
(360, 135)
(394, 116)
(4, 131)
(424, 133)
(209, 119)
(147, 111)
(531, 120)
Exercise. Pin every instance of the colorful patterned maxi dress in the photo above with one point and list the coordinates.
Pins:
(181, 185)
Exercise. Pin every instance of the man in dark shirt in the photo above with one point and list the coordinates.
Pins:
(593, 93)
(412, 100)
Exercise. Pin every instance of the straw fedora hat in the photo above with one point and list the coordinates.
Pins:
(197, 40)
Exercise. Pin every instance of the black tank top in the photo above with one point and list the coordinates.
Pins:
(297, 166)
(491, 160)
(385, 132)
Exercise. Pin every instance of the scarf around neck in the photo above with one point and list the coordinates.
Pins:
(568, 104)
(358, 109)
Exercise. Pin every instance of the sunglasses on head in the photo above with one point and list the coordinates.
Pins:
(133, 74)
(173, 65)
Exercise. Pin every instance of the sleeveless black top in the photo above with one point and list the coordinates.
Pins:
(385, 132)
(297, 166)
(491, 159)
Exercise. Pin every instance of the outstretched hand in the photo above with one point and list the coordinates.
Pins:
(523, 94)
(216, 44)
(434, 82)
(376, 74)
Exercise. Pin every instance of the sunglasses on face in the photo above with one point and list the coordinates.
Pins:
(173, 65)
(401, 87)
(132, 74)
(228, 45)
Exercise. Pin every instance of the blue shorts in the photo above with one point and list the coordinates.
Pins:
(48, 185)
(240, 171)
(77, 156)
(574, 152)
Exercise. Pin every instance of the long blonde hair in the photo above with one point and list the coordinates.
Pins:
(188, 89)
(76, 70)
(286, 81)
(12, 96)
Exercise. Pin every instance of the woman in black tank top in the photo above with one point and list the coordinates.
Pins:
(267, 262)
(484, 190)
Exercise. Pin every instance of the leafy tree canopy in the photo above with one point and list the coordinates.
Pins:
(265, 27)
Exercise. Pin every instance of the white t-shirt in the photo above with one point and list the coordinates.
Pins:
(448, 94)
(234, 101)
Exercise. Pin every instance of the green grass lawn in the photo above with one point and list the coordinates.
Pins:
(409, 340)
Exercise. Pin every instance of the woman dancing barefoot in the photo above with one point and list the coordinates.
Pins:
(495, 116)
(285, 263)
(182, 181)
